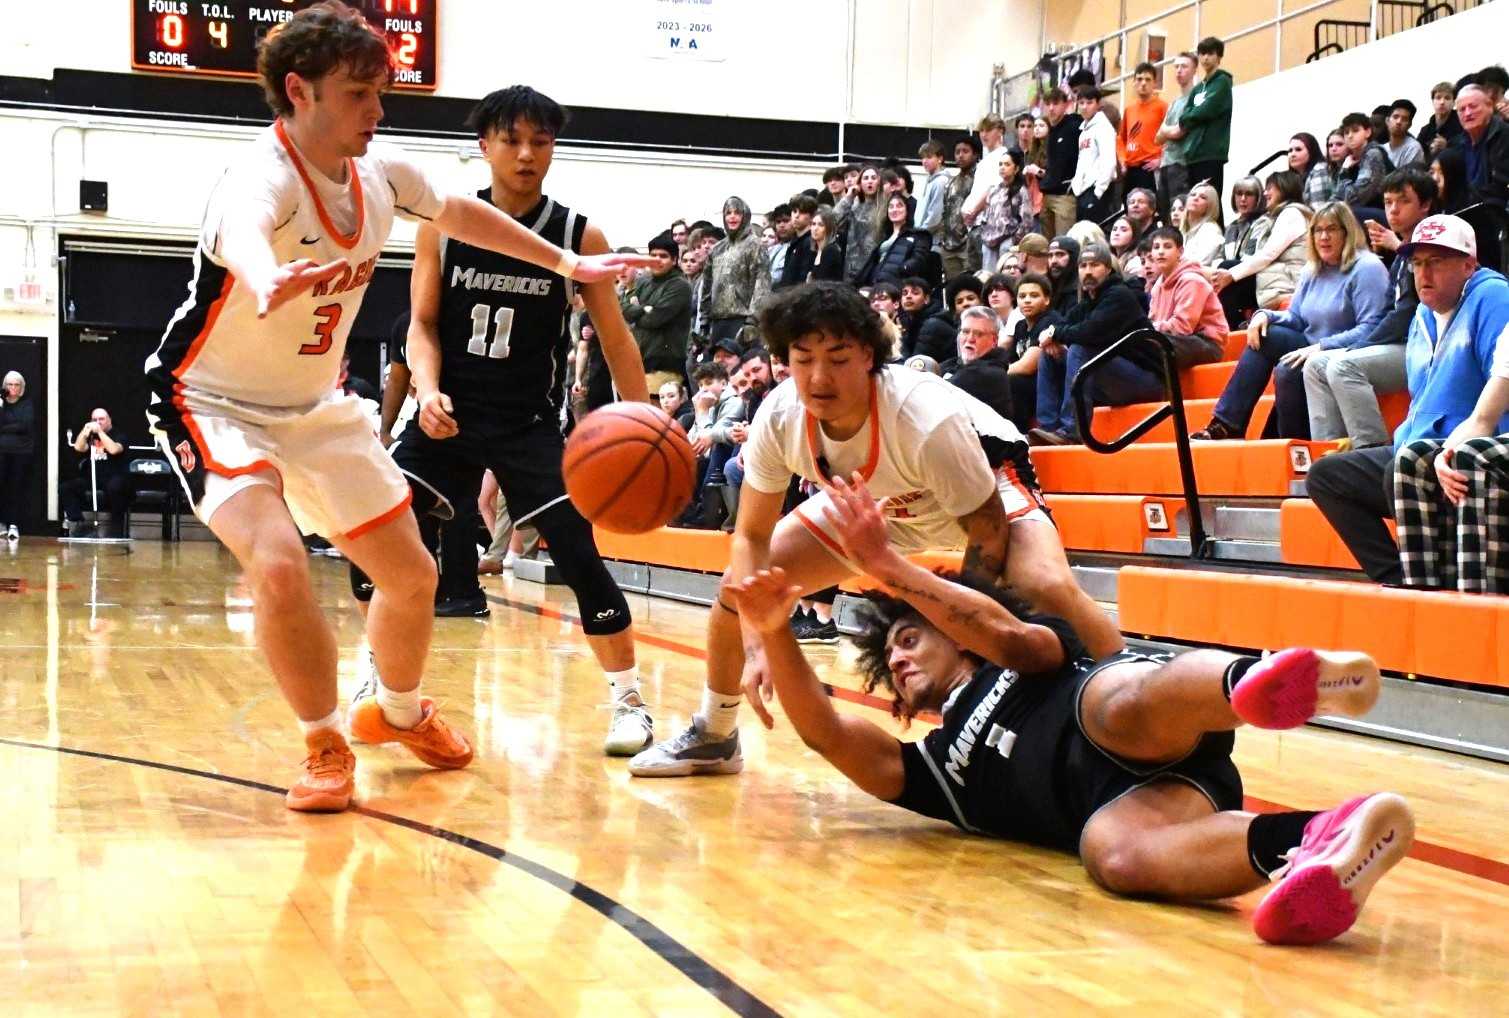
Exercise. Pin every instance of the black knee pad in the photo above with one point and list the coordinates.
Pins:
(361, 584)
(574, 551)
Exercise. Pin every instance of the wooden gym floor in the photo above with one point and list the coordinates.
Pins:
(148, 867)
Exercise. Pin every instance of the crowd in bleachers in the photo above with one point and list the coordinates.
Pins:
(1069, 228)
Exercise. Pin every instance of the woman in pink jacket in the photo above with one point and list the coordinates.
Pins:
(1182, 303)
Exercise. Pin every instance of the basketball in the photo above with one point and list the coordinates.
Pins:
(629, 467)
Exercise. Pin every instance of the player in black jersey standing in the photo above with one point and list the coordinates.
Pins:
(1125, 760)
(487, 349)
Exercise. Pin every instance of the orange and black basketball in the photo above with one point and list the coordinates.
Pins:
(629, 467)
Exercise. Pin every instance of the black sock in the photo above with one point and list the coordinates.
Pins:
(1271, 835)
(1234, 673)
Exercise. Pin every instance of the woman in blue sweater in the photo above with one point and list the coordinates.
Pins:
(1341, 297)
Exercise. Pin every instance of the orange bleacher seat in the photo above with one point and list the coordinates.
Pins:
(1252, 469)
(1415, 632)
(1113, 523)
(703, 550)
(1306, 538)
(1113, 422)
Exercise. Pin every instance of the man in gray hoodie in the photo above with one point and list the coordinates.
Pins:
(740, 276)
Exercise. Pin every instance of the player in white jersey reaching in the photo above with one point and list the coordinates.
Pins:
(952, 471)
(244, 385)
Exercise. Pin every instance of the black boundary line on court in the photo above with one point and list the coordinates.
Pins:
(676, 954)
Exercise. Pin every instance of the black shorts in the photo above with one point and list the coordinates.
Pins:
(526, 460)
(1100, 777)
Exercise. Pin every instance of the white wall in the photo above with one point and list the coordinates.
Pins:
(1314, 97)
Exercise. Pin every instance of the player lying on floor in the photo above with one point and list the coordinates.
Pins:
(1126, 760)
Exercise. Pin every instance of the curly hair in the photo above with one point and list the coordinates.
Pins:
(883, 612)
(830, 309)
(315, 42)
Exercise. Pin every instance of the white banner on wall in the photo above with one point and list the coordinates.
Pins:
(685, 29)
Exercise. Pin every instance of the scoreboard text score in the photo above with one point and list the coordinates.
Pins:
(220, 38)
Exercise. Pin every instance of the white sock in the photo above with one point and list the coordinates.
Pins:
(331, 720)
(401, 710)
(719, 715)
(824, 612)
(624, 682)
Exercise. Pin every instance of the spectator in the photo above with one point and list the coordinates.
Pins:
(676, 406)
(860, 212)
(1305, 156)
(1340, 299)
(1342, 386)
(1054, 177)
(1245, 233)
(1138, 151)
(694, 257)
(1008, 215)
(1449, 359)
(827, 251)
(1108, 309)
(1141, 211)
(1009, 266)
(769, 240)
(1203, 238)
(1206, 118)
(1176, 211)
(833, 186)
(930, 218)
(100, 444)
(962, 292)
(1033, 251)
(717, 409)
(1095, 170)
(1023, 129)
(1449, 170)
(1037, 156)
(1085, 232)
(885, 298)
(981, 367)
(1495, 81)
(1379, 120)
(594, 385)
(1266, 278)
(1000, 297)
(954, 237)
(902, 252)
(1485, 149)
(1173, 171)
(992, 130)
(1032, 293)
(1443, 127)
(896, 179)
(800, 255)
(1320, 185)
(1402, 148)
(1123, 244)
(1451, 498)
(740, 276)
(659, 311)
(1182, 303)
(926, 326)
(18, 426)
(678, 233)
(1360, 182)
(1063, 270)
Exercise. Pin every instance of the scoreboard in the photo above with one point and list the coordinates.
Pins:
(220, 38)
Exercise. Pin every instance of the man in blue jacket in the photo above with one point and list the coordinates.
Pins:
(1448, 360)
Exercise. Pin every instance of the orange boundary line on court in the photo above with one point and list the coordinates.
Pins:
(1423, 851)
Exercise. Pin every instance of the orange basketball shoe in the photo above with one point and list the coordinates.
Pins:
(432, 740)
(328, 777)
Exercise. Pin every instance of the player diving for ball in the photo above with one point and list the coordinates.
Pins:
(486, 349)
(1125, 760)
(953, 472)
(244, 397)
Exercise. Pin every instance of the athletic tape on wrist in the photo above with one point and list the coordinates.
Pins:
(567, 264)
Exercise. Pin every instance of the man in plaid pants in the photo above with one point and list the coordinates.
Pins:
(1454, 362)
(1451, 498)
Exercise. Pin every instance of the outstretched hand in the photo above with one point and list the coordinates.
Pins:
(854, 514)
(766, 599)
(592, 268)
(292, 279)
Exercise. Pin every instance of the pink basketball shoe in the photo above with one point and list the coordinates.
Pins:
(1289, 688)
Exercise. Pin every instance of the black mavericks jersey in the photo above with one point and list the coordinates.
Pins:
(1011, 760)
(504, 330)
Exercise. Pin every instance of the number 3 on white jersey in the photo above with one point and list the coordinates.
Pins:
(502, 326)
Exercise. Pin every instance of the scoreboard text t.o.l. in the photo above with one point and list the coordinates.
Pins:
(220, 38)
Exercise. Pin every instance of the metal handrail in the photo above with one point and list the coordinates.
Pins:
(1084, 412)
(1282, 153)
